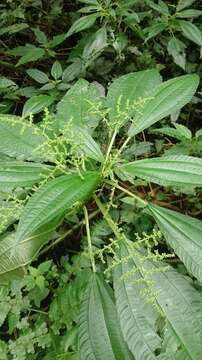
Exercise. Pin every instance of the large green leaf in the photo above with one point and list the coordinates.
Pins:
(183, 233)
(138, 318)
(87, 145)
(21, 174)
(166, 98)
(20, 140)
(54, 199)
(81, 24)
(76, 106)
(169, 170)
(178, 302)
(130, 88)
(14, 257)
(99, 330)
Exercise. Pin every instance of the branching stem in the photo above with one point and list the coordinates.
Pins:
(143, 202)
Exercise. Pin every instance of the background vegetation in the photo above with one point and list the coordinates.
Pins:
(100, 180)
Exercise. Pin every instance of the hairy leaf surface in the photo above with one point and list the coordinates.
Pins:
(168, 170)
(54, 199)
(183, 233)
(99, 330)
(167, 98)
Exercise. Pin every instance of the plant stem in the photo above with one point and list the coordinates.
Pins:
(67, 233)
(108, 218)
(143, 202)
(124, 145)
(90, 249)
(109, 148)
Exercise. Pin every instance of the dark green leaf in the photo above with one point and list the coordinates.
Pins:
(36, 104)
(183, 233)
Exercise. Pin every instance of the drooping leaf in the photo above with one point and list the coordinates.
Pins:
(138, 318)
(82, 24)
(179, 303)
(21, 174)
(77, 106)
(167, 98)
(53, 200)
(124, 92)
(21, 141)
(95, 45)
(99, 330)
(183, 233)
(14, 257)
(36, 104)
(178, 170)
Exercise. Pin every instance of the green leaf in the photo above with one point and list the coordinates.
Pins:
(21, 174)
(32, 54)
(183, 233)
(155, 30)
(53, 200)
(181, 132)
(14, 257)
(178, 170)
(72, 71)
(96, 44)
(40, 36)
(167, 98)
(76, 106)
(160, 7)
(128, 89)
(12, 29)
(176, 50)
(99, 330)
(191, 32)
(38, 76)
(36, 104)
(182, 4)
(87, 145)
(56, 70)
(189, 13)
(179, 303)
(20, 140)
(81, 24)
(138, 317)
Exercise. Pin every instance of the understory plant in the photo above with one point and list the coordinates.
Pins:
(71, 169)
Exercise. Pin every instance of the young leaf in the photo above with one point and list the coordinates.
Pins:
(179, 170)
(21, 174)
(99, 330)
(72, 71)
(56, 70)
(128, 89)
(82, 24)
(54, 199)
(87, 145)
(160, 7)
(21, 141)
(183, 233)
(38, 76)
(36, 104)
(137, 317)
(191, 32)
(167, 98)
